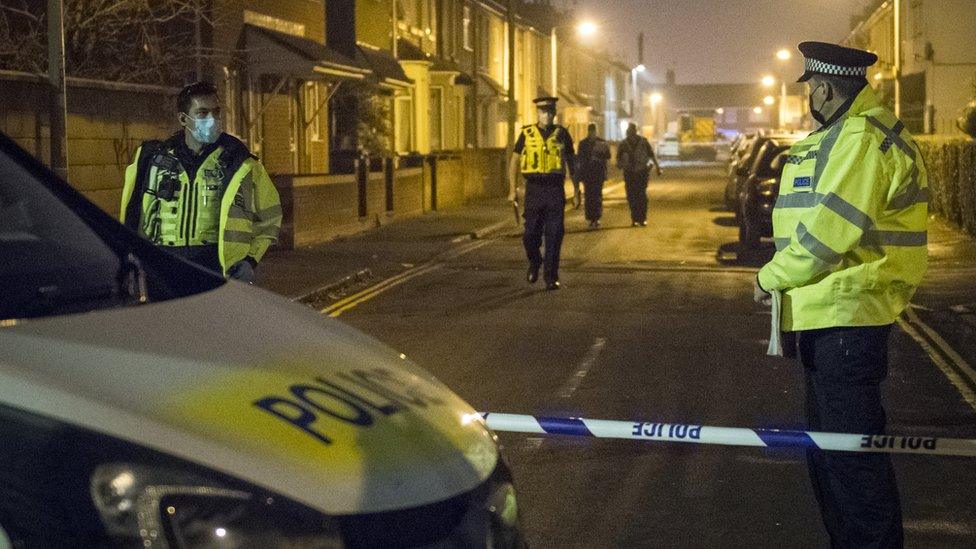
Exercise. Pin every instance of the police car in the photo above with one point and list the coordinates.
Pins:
(145, 402)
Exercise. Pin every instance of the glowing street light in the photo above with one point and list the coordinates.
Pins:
(640, 68)
(656, 98)
(768, 81)
(757, 110)
(769, 100)
(586, 29)
(784, 55)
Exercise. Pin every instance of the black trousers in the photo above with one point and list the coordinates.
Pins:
(593, 199)
(545, 203)
(857, 493)
(204, 255)
(636, 185)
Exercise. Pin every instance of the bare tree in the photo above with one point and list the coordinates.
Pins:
(143, 41)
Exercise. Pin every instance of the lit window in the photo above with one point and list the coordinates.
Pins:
(466, 29)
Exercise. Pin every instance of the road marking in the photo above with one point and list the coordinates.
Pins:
(363, 296)
(951, 371)
(940, 527)
(588, 361)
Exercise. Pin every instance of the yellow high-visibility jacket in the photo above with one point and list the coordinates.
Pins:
(542, 155)
(850, 223)
(231, 202)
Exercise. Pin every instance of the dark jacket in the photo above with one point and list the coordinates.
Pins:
(591, 159)
(635, 154)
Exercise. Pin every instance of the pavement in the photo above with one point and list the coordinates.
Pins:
(655, 324)
(312, 273)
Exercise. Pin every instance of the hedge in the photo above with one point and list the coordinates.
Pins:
(951, 165)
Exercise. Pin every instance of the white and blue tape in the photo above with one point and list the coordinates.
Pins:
(731, 436)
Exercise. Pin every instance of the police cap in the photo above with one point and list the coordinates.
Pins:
(547, 103)
(831, 59)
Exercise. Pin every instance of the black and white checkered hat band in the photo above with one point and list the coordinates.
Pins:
(813, 65)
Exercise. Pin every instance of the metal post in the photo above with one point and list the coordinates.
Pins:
(58, 95)
(197, 41)
(393, 7)
(782, 100)
(897, 67)
(510, 141)
(554, 68)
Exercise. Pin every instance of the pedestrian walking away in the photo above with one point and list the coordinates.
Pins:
(635, 156)
(850, 228)
(591, 169)
(201, 194)
(543, 155)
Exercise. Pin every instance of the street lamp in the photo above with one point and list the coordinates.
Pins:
(586, 29)
(768, 81)
(640, 68)
(784, 57)
(757, 110)
(769, 100)
(656, 99)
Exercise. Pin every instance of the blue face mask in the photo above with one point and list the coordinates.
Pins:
(206, 130)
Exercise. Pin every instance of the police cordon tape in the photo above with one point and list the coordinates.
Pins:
(729, 436)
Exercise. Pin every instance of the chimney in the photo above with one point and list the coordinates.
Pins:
(340, 27)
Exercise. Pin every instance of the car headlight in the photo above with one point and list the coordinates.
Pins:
(502, 508)
(164, 508)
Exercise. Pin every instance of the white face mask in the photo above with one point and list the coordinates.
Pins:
(206, 130)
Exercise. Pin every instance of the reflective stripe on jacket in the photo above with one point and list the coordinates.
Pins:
(542, 156)
(850, 222)
(243, 218)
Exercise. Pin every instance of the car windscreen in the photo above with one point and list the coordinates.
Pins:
(52, 261)
(763, 167)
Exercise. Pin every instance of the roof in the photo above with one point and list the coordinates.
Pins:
(408, 51)
(386, 69)
(273, 52)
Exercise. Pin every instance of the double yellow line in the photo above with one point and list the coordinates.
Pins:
(952, 364)
(363, 296)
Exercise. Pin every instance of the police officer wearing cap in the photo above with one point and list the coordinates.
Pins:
(850, 230)
(543, 154)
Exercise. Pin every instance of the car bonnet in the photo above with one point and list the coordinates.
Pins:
(254, 386)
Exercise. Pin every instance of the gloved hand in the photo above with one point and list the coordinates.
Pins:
(759, 295)
(243, 270)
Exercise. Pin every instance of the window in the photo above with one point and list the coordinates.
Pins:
(312, 101)
(436, 118)
(403, 114)
(466, 29)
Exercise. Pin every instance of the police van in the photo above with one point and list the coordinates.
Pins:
(145, 402)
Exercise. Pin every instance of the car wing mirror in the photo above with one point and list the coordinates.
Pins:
(779, 163)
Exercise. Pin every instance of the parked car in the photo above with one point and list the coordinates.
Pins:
(744, 167)
(147, 402)
(760, 192)
(739, 149)
(668, 147)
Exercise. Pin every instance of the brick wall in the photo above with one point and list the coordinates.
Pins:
(104, 129)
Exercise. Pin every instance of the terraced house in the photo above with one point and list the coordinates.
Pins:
(362, 110)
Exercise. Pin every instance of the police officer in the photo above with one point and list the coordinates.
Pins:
(201, 194)
(543, 154)
(850, 231)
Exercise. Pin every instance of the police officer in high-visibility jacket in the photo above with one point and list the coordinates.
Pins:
(543, 154)
(850, 231)
(201, 194)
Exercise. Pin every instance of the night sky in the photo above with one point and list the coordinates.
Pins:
(716, 41)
